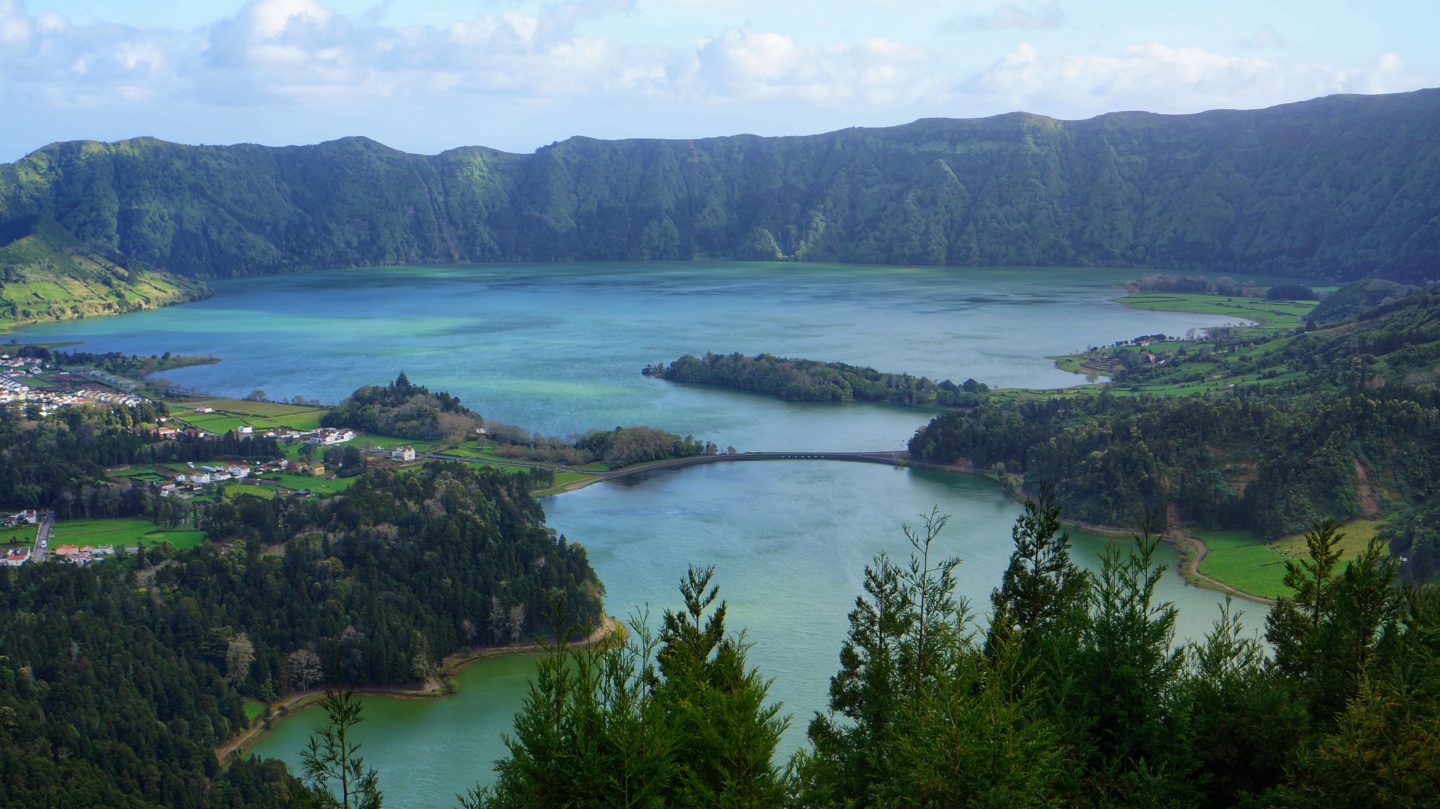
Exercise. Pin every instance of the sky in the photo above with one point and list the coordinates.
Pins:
(428, 75)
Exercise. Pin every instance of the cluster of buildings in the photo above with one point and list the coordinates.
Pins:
(82, 555)
(69, 391)
(16, 557)
(214, 474)
(326, 436)
(28, 516)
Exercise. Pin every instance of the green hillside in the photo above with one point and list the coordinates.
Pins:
(45, 274)
(1267, 433)
(1339, 187)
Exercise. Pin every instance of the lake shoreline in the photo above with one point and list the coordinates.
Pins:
(437, 686)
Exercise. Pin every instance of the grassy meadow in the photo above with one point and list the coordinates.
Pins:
(122, 532)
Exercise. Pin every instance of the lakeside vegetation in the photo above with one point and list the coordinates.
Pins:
(1074, 694)
(412, 411)
(382, 584)
(1337, 420)
(799, 380)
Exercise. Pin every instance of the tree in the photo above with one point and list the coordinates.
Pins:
(239, 655)
(1041, 587)
(331, 763)
(305, 669)
(725, 731)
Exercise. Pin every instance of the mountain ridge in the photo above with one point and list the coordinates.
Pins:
(1339, 187)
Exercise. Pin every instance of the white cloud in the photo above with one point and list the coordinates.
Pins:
(16, 27)
(745, 65)
(1163, 78)
(301, 67)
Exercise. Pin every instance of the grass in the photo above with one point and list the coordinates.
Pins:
(1269, 315)
(214, 422)
(245, 489)
(18, 535)
(317, 485)
(1242, 561)
(253, 708)
(231, 413)
(123, 532)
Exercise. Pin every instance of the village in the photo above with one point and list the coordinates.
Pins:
(37, 386)
(312, 461)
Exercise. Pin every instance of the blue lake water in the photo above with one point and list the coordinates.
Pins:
(559, 348)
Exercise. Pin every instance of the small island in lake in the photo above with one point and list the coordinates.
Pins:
(800, 380)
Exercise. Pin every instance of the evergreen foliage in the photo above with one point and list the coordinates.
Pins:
(678, 720)
(1080, 698)
(117, 679)
(813, 381)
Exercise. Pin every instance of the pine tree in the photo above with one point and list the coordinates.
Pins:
(332, 762)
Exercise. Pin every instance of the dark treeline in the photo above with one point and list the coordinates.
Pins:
(59, 460)
(1270, 463)
(406, 410)
(131, 365)
(799, 380)
(117, 679)
(412, 411)
(1075, 694)
(615, 448)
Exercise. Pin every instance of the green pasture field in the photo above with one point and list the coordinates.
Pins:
(122, 532)
(23, 534)
(243, 489)
(1241, 560)
(317, 485)
(1269, 315)
(213, 422)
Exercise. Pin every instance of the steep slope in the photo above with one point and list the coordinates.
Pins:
(1338, 187)
(45, 274)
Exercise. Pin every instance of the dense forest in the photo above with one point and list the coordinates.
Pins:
(117, 679)
(405, 409)
(1340, 421)
(1074, 693)
(1337, 187)
(814, 381)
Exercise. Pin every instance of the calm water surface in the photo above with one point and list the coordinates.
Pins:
(558, 348)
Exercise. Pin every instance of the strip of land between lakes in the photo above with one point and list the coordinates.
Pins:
(1192, 548)
(435, 686)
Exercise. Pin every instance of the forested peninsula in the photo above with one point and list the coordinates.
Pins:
(118, 679)
(1337, 187)
(800, 380)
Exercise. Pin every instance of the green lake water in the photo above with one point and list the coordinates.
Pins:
(558, 348)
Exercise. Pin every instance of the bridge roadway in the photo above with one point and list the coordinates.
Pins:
(896, 458)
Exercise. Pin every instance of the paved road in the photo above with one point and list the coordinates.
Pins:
(897, 458)
(42, 537)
